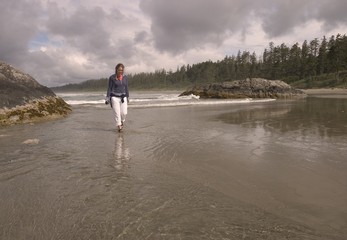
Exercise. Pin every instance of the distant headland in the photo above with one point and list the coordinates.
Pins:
(247, 88)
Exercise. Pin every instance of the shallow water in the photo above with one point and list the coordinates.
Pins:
(256, 170)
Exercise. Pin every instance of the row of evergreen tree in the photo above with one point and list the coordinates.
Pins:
(308, 61)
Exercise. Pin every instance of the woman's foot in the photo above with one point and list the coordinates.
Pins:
(120, 127)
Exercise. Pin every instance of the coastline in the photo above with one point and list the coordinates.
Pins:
(319, 91)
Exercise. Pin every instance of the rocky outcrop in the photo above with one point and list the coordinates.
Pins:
(248, 88)
(23, 99)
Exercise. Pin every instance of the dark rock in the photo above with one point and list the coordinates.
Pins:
(23, 99)
(248, 88)
(18, 88)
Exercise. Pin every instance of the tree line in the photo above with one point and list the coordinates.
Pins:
(315, 63)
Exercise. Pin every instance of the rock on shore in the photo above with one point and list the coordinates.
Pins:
(23, 99)
(248, 88)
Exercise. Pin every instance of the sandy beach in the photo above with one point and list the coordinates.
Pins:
(245, 170)
(331, 92)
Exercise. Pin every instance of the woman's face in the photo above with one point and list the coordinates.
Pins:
(119, 71)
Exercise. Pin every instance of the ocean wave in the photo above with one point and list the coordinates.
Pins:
(84, 102)
(201, 102)
(82, 94)
(152, 100)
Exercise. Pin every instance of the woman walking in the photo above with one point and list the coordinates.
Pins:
(118, 95)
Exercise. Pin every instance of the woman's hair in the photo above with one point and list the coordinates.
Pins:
(118, 66)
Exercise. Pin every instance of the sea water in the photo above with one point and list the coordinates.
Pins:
(151, 99)
(183, 168)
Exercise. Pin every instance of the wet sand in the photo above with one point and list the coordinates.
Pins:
(273, 170)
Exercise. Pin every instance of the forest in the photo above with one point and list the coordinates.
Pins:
(318, 63)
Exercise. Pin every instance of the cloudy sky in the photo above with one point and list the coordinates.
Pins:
(69, 41)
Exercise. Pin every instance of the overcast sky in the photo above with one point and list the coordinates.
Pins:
(69, 41)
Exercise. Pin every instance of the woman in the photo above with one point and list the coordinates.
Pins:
(118, 95)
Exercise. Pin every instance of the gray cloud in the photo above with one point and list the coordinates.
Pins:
(332, 13)
(83, 30)
(18, 25)
(59, 42)
(281, 17)
(141, 37)
(180, 25)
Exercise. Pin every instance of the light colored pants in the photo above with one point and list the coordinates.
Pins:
(120, 109)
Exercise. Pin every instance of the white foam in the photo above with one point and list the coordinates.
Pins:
(152, 100)
(79, 94)
(201, 102)
(84, 102)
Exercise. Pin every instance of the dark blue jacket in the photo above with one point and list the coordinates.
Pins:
(117, 88)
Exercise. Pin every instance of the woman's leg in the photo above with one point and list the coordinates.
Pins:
(124, 109)
(116, 106)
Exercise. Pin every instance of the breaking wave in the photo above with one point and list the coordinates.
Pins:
(152, 99)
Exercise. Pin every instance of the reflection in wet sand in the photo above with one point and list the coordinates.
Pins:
(121, 153)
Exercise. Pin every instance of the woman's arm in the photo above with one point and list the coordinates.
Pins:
(109, 89)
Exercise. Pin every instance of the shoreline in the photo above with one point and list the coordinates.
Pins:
(320, 91)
